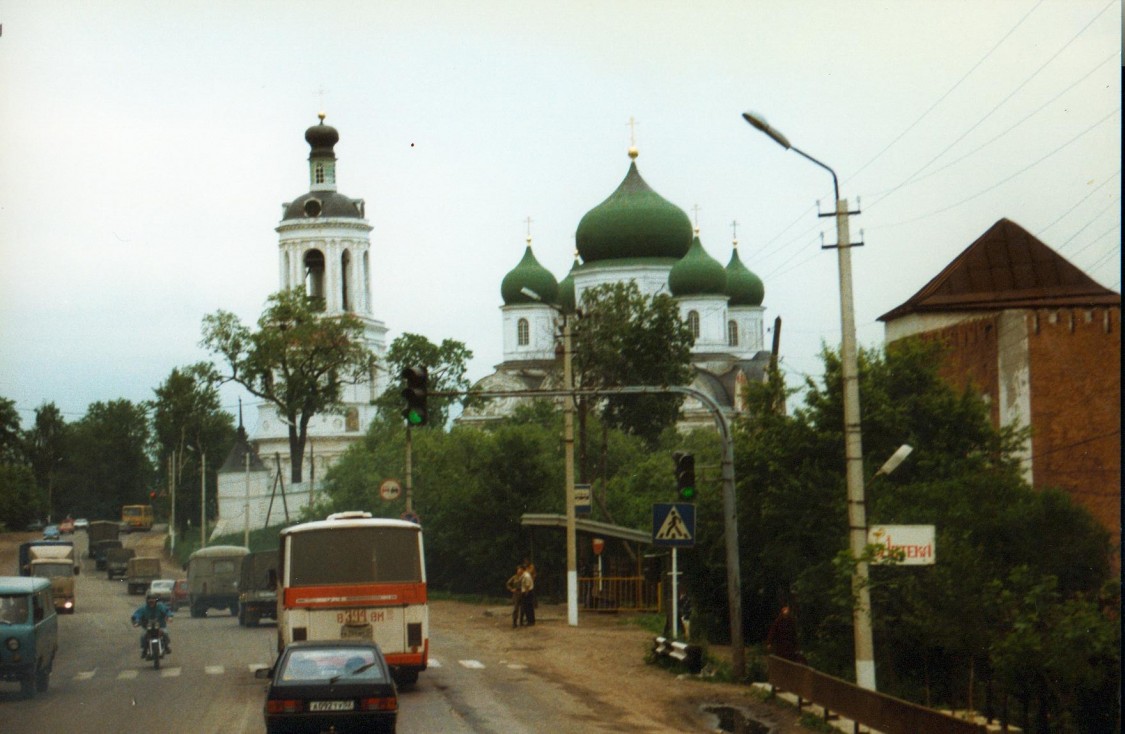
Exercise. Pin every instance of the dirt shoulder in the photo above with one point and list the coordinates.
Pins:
(603, 661)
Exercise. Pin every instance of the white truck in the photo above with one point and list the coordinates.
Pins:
(58, 564)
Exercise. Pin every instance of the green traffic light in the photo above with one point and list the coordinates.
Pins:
(687, 493)
(414, 417)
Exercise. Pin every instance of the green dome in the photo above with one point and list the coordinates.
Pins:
(634, 222)
(697, 274)
(743, 286)
(531, 275)
(566, 290)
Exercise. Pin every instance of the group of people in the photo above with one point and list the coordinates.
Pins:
(521, 584)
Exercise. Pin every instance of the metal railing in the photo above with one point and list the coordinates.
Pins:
(612, 593)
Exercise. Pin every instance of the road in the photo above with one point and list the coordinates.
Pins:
(100, 684)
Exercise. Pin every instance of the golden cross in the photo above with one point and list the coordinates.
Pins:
(695, 211)
(528, 220)
(632, 132)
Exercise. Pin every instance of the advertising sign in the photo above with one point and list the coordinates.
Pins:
(903, 545)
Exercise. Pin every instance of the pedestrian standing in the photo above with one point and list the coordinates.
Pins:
(527, 596)
(515, 586)
(782, 638)
(683, 607)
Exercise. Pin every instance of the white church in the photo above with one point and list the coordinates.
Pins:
(635, 234)
(323, 246)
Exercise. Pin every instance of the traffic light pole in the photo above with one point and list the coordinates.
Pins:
(730, 514)
(408, 479)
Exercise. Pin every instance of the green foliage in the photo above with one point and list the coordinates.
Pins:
(188, 424)
(627, 338)
(11, 438)
(107, 461)
(19, 498)
(299, 360)
(45, 445)
(447, 364)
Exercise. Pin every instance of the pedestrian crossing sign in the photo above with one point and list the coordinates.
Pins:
(673, 524)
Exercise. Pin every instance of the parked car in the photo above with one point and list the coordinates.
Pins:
(51, 532)
(317, 685)
(162, 590)
(81, 524)
(180, 595)
(35, 526)
(67, 525)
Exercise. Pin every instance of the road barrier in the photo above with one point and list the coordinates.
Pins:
(870, 708)
(691, 656)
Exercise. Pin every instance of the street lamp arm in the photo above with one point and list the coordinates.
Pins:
(835, 181)
(759, 123)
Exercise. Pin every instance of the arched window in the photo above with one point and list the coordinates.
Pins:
(345, 280)
(523, 335)
(314, 276)
(732, 333)
(693, 323)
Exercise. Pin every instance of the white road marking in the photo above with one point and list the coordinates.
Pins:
(475, 664)
(254, 667)
(517, 666)
(434, 663)
(86, 675)
(127, 675)
(213, 669)
(170, 672)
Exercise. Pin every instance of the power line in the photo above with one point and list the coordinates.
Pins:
(1087, 196)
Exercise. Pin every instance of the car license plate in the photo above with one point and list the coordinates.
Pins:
(331, 705)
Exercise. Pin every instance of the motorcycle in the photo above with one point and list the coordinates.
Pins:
(155, 648)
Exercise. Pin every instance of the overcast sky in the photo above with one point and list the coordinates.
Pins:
(147, 148)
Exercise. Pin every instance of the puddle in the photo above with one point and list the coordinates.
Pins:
(729, 718)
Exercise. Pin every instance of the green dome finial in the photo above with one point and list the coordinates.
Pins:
(743, 287)
(697, 274)
(531, 275)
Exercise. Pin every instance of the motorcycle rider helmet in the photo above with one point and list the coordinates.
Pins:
(150, 599)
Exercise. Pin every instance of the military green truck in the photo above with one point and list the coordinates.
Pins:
(212, 575)
(117, 562)
(257, 588)
(101, 535)
(140, 572)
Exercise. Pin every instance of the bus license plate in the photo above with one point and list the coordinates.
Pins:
(356, 632)
(331, 705)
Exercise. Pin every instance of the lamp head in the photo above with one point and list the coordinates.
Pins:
(760, 123)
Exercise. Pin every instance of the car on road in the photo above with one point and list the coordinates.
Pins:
(81, 524)
(51, 532)
(317, 685)
(162, 590)
(180, 595)
(67, 525)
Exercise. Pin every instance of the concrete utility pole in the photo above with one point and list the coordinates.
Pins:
(853, 443)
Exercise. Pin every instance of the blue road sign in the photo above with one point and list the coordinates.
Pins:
(673, 524)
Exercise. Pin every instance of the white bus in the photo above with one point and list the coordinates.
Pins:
(356, 577)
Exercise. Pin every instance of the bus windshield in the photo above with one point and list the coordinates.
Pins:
(354, 556)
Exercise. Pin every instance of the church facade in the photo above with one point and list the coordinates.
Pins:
(634, 235)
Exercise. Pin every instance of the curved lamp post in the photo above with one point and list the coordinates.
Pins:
(853, 444)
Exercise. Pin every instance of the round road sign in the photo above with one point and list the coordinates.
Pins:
(390, 489)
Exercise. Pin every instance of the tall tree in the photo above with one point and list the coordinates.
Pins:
(299, 359)
(627, 338)
(46, 446)
(446, 363)
(188, 424)
(11, 445)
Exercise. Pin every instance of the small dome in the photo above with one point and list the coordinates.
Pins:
(322, 139)
(531, 275)
(743, 286)
(324, 204)
(697, 274)
(634, 222)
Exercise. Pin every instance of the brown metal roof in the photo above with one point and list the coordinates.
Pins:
(1006, 268)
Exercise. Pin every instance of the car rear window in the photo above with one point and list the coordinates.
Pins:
(316, 665)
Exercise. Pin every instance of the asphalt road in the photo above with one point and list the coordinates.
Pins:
(100, 684)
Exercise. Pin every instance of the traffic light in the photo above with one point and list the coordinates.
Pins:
(415, 393)
(685, 475)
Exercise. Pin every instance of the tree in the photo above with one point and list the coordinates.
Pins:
(298, 359)
(107, 462)
(19, 500)
(11, 445)
(626, 338)
(446, 363)
(186, 414)
(46, 446)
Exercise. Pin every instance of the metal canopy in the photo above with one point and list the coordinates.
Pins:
(587, 526)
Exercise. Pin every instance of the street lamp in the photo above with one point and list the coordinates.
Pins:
(568, 458)
(853, 444)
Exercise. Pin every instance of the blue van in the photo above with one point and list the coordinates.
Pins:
(29, 632)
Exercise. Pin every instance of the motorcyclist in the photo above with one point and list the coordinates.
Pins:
(153, 608)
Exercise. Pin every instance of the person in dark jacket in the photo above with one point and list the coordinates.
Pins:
(782, 638)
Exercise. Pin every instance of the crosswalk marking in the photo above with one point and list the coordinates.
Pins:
(85, 675)
(434, 663)
(517, 666)
(127, 675)
(170, 672)
(213, 669)
(474, 664)
(255, 667)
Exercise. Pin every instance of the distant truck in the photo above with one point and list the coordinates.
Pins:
(117, 562)
(257, 588)
(213, 575)
(101, 535)
(56, 562)
(140, 572)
